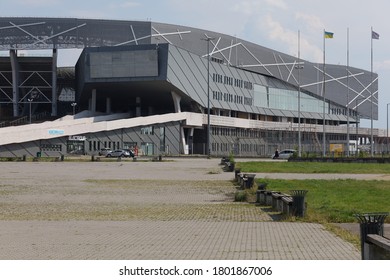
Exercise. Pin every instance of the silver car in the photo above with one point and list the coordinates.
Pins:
(118, 153)
(104, 151)
(285, 154)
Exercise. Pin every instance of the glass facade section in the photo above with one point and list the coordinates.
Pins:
(286, 99)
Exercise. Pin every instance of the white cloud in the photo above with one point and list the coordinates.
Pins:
(289, 39)
(39, 2)
(277, 3)
(312, 23)
(130, 4)
(382, 65)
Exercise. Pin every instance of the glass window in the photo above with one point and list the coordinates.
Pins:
(286, 99)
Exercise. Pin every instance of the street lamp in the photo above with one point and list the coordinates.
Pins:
(357, 100)
(30, 100)
(387, 128)
(73, 107)
(208, 39)
(33, 95)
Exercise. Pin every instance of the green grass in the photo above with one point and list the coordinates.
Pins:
(313, 167)
(336, 201)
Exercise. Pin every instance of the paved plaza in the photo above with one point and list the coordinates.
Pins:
(181, 208)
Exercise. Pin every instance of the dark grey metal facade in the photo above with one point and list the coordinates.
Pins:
(52, 33)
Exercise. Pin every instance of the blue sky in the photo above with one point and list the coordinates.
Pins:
(270, 23)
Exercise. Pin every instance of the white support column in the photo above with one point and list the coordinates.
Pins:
(93, 101)
(54, 96)
(176, 101)
(15, 81)
(183, 141)
(191, 135)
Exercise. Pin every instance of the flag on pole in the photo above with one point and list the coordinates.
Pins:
(374, 35)
(328, 35)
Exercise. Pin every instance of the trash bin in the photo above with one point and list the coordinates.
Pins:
(298, 205)
(370, 223)
(250, 178)
(236, 172)
(39, 154)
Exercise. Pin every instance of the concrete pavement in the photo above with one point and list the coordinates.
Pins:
(178, 209)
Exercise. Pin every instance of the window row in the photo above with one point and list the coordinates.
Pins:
(226, 80)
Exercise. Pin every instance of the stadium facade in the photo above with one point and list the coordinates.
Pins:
(156, 87)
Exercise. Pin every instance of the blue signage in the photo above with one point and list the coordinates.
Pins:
(56, 132)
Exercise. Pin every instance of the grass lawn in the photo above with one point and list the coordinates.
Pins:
(313, 167)
(336, 201)
(330, 201)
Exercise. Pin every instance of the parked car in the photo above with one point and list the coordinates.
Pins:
(104, 151)
(285, 154)
(118, 153)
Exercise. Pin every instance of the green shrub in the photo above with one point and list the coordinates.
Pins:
(240, 196)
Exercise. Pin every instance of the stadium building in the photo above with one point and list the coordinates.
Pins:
(165, 89)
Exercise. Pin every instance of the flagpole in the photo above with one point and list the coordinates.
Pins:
(323, 112)
(372, 101)
(348, 136)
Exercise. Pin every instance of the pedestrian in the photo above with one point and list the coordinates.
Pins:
(276, 155)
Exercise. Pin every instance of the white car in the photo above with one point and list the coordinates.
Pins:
(285, 154)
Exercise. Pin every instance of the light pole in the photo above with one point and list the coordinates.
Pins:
(30, 100)
(73, 107)
(387, 128)
(208, 39)
(299, 67)
(357, 122)
(33, 94)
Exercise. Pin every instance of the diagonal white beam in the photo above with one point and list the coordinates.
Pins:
(24, 31)
(216, 49)
(261, 64)
(162, 35)
(132, 31)
(270, 64)
(21, 25)
(153, 35)
(276, 61)
(333, 79)
(58, 34)
(367, 87)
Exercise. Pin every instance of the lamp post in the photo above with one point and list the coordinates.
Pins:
(387, 128)
(30, 100)
(357, 122)
(33, 95)
(208, 39)
(299, 67)
(73, 107)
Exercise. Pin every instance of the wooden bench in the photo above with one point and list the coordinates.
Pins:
(376, 247)
(286, 206)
